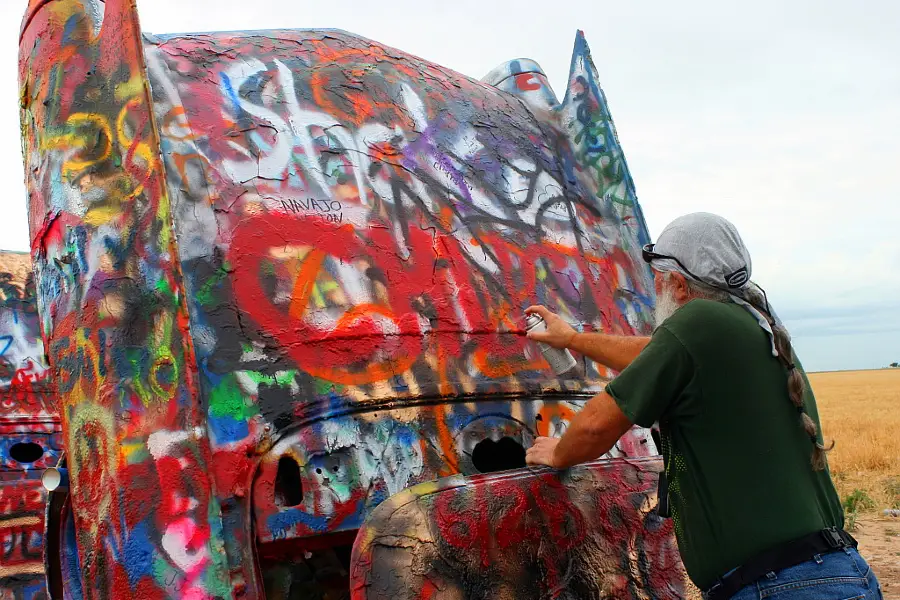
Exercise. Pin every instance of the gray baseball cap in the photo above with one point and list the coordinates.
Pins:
(705, 247)
(708, 248)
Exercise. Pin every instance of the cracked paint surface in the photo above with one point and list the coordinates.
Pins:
(282, 277)
(352, 464)
(112, 310)
(591, 532)
(360, 232)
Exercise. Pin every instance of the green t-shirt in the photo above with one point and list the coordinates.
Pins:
(737, 457)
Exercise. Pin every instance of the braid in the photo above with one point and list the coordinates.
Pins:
(796, 387)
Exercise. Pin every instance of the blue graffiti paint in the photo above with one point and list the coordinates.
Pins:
(138, 553)
(9, 340)
(226, 430)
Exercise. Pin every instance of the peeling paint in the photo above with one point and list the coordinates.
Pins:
(591, 532)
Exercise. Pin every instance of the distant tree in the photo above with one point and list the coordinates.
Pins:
(895, 365)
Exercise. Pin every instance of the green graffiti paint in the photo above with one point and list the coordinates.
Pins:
(205, 295)
(227, 400)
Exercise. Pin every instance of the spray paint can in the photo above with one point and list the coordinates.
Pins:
(560, 360)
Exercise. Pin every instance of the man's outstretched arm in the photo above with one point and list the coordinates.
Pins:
(613, 351)
(591, 433)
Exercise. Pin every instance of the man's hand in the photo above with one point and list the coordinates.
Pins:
(592, 432)
(559, 334)
(541, 453)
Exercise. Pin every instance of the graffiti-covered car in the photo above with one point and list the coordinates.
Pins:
(30, 435)
(282, 276)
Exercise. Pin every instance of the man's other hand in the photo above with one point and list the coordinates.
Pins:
(541, 452)
(559, 334)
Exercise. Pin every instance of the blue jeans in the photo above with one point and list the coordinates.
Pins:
(839, 575)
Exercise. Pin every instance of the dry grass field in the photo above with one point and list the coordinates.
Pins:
(860, 411)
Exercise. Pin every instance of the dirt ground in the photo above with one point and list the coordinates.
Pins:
(17, 264)
(879, 543)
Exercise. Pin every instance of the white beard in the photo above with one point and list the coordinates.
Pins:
(666, 305)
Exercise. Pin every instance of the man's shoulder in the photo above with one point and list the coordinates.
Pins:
(708, 317)
(705, 310)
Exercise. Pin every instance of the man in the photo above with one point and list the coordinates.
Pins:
(756, 513)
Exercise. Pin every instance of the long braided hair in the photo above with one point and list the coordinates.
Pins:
(795, 384)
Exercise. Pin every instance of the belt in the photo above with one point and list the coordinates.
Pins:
(778, 558)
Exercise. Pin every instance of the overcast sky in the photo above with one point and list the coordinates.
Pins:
(784, 119)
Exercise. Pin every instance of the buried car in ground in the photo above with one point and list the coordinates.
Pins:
(281, 277)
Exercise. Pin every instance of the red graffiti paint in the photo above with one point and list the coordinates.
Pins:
(436, 268)
(322, 352)
(487, 534)
(526, 82)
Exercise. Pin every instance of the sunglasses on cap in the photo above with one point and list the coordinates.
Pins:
(649, 256)
(735, 280)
